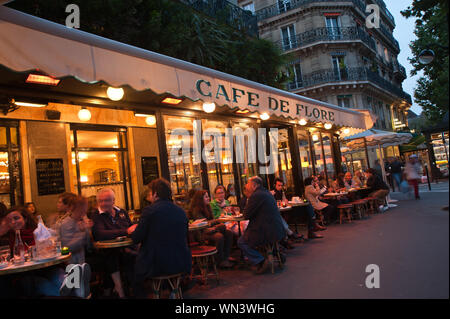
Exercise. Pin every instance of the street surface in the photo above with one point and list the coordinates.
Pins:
(409, 243)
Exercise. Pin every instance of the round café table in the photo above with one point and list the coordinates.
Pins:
(198, 227)
(293, 207)
(113, 243)
(237, 219)
(34, 265)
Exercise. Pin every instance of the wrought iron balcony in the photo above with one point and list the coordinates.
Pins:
(327, 35)
(283, 6)
(228, 13)
(389, 35)
(345, 75)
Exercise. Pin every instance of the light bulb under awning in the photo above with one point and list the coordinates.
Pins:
(264, 116)
(84, 115)
(209, 107)
(115, 94)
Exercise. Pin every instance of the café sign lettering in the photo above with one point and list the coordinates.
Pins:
(253, 101)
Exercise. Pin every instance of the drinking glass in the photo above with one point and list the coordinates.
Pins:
(58, 247)
(5, 254)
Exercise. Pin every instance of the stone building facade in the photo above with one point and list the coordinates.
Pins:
(335, 57)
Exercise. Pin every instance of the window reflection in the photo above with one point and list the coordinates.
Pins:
(183, 168)
(305, 154)
(218, 154)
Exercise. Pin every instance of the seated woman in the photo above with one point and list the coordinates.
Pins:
(312, 193)
(217, 233)
(339, 184)
(74, 230)
(358, 180)
(219, 202)
(47, 282)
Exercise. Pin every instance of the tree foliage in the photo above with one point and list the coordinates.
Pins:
(432, 33)
(174, 29)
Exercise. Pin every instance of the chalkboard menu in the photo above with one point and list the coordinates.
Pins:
(149, 169)
(50, 176)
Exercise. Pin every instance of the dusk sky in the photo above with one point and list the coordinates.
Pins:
(404, 34)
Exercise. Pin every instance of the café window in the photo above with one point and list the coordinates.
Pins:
(328, 150)
(10, 169)
(283, 165)
(100, 160)
(218, 153)
(184, 169)
(305, 154)
(245, 152)
(318, 155)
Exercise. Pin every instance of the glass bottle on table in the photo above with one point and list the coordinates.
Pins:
(284, 200)
(19, 249)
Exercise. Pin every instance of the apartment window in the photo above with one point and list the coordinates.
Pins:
(386, 54)
(333, 27)
(297, 80)
(288, 37)
(250, 7)
(284, 5)
(345, 101)
(339, 68)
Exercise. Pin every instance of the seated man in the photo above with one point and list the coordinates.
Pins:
(377, 187)
(278, 194)
(162, 231)
(111, 222)
(265, 223)
(312, 193)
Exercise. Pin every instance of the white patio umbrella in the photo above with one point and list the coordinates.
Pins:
(378, 138)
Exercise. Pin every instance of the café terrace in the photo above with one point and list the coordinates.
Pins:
(96, 113)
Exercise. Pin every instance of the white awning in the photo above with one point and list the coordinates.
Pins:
(28, 43)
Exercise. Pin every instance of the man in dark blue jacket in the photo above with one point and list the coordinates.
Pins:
(162, 231)
(265, 225)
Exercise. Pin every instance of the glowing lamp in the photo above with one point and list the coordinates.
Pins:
(209, 107)
(150, 120)
(115, 94)
(84, 115)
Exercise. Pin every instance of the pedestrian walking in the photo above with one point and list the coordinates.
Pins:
(413, 171)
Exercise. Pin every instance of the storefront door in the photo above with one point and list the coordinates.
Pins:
(10, 176)
(99, 158)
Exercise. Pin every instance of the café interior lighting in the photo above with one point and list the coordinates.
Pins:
(346, 131)
(209, 107)
(28, 104)
(42, 79)
(84, 115)
(242, 111)
(302, 122)
(115, 94)
(315, 138)
(264, 116)
(150, 120)
(169, 100)
(84, 179)
(328, 126)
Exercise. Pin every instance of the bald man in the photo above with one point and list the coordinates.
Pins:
(111, 222)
